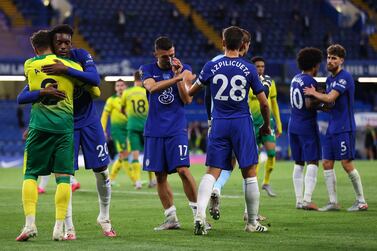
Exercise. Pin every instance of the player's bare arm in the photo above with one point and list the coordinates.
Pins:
(185, 85)
(152, 86)
(195, 88)
(265, 110)
(52, 91)
(55, 69)
(327, 98)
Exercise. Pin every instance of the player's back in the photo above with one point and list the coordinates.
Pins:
(230, 80)
(342, 115)
(49, 114)
(113, 106)
(135, 99)
(302, 120)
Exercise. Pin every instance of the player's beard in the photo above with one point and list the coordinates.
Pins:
(332, 68)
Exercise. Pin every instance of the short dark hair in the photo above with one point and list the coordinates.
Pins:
(308, 58)
(163, 43)
(336, 50)
(246, 36)
(257, 59)
(137, 76)
(61, 28)
(233, 37)
(41, 39)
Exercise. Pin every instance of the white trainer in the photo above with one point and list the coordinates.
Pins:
(170, 222)
(358, 206)
(200, 226)
(107, 229)
(58, 233)
(255, 228)
(330, 207)
(70, 235)
(27, 232)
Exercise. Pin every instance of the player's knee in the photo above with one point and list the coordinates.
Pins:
(271, 153)
(183, 171)
(99, 169)
(327, 164)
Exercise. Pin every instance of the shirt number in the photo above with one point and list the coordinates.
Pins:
(296, 98)
(236, 88)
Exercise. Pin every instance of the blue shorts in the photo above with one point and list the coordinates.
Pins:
(305, 147)
(166, 154)
(232, 134)
(93, 146)
(339, 146)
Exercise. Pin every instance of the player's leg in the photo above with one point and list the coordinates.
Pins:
(75, 184)
(43, 183)
(94, 148)
(178, 160)
(154, 161)
(329, 174)
(69, 229)
(214, 203)
(298, 168)
(346, 142)
(63, 168)
(311, 148)
(269, 144)
(38, 152)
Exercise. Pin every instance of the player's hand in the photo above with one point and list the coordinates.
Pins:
(310, 90)
(176, 66)
(277, 134)
(55, 69)
(24, 134)
(264, 130)
(52, 91)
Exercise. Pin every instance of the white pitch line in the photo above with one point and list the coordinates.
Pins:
(125, 192)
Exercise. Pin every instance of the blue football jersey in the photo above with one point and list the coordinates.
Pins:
(341, 115)
(230, 80)
(84, 110)
(302, 121)
(166, 115)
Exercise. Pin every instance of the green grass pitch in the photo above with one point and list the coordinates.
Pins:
(135, 213)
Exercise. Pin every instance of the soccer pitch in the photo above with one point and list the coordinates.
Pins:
(135, 213)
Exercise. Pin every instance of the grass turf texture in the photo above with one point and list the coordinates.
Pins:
(135, 213)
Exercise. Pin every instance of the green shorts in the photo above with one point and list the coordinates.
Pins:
(120, 140)
(47, 153)
(265, 138)
(136, 139)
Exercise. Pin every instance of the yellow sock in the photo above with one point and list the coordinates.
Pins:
(115, 169)
(136, 169)
(270, 164)
(151, 176)
(62, 196)
(129, 171)
(29, 196)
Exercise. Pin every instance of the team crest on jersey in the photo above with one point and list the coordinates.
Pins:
(36, 71)
(342, 81)
(167, 96)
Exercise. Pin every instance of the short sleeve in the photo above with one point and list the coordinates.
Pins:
(254, 81)
(341, 85)
(145, 72)
(205, 74)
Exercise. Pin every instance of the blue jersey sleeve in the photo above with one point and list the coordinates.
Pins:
(205, 74)
(90, 74)
(26, 96)
(255, 82)
(187, 67)
(145, 72)
(342, 84)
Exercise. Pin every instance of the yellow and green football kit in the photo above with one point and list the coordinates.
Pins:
(274, 122)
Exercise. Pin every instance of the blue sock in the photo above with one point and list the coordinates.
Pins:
(223, 178)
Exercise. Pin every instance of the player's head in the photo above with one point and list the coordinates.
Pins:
(260, 64)
(309, 59)
(335, 57)
(41, 41)
(164, 51)
(137, 77)
(120, 86)
(62, 39)
(232, 38)
(246, 40)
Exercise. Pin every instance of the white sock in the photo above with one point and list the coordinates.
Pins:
(204, 194)
(59, 223)
(194, 207)
(310, 181)
(252, 195)
(68, 217)
(44, 181)
(357, 186)
(298, 182)
(104, 194)
(73, 180)
(171, 212)
(30, 220)
(330, 180)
